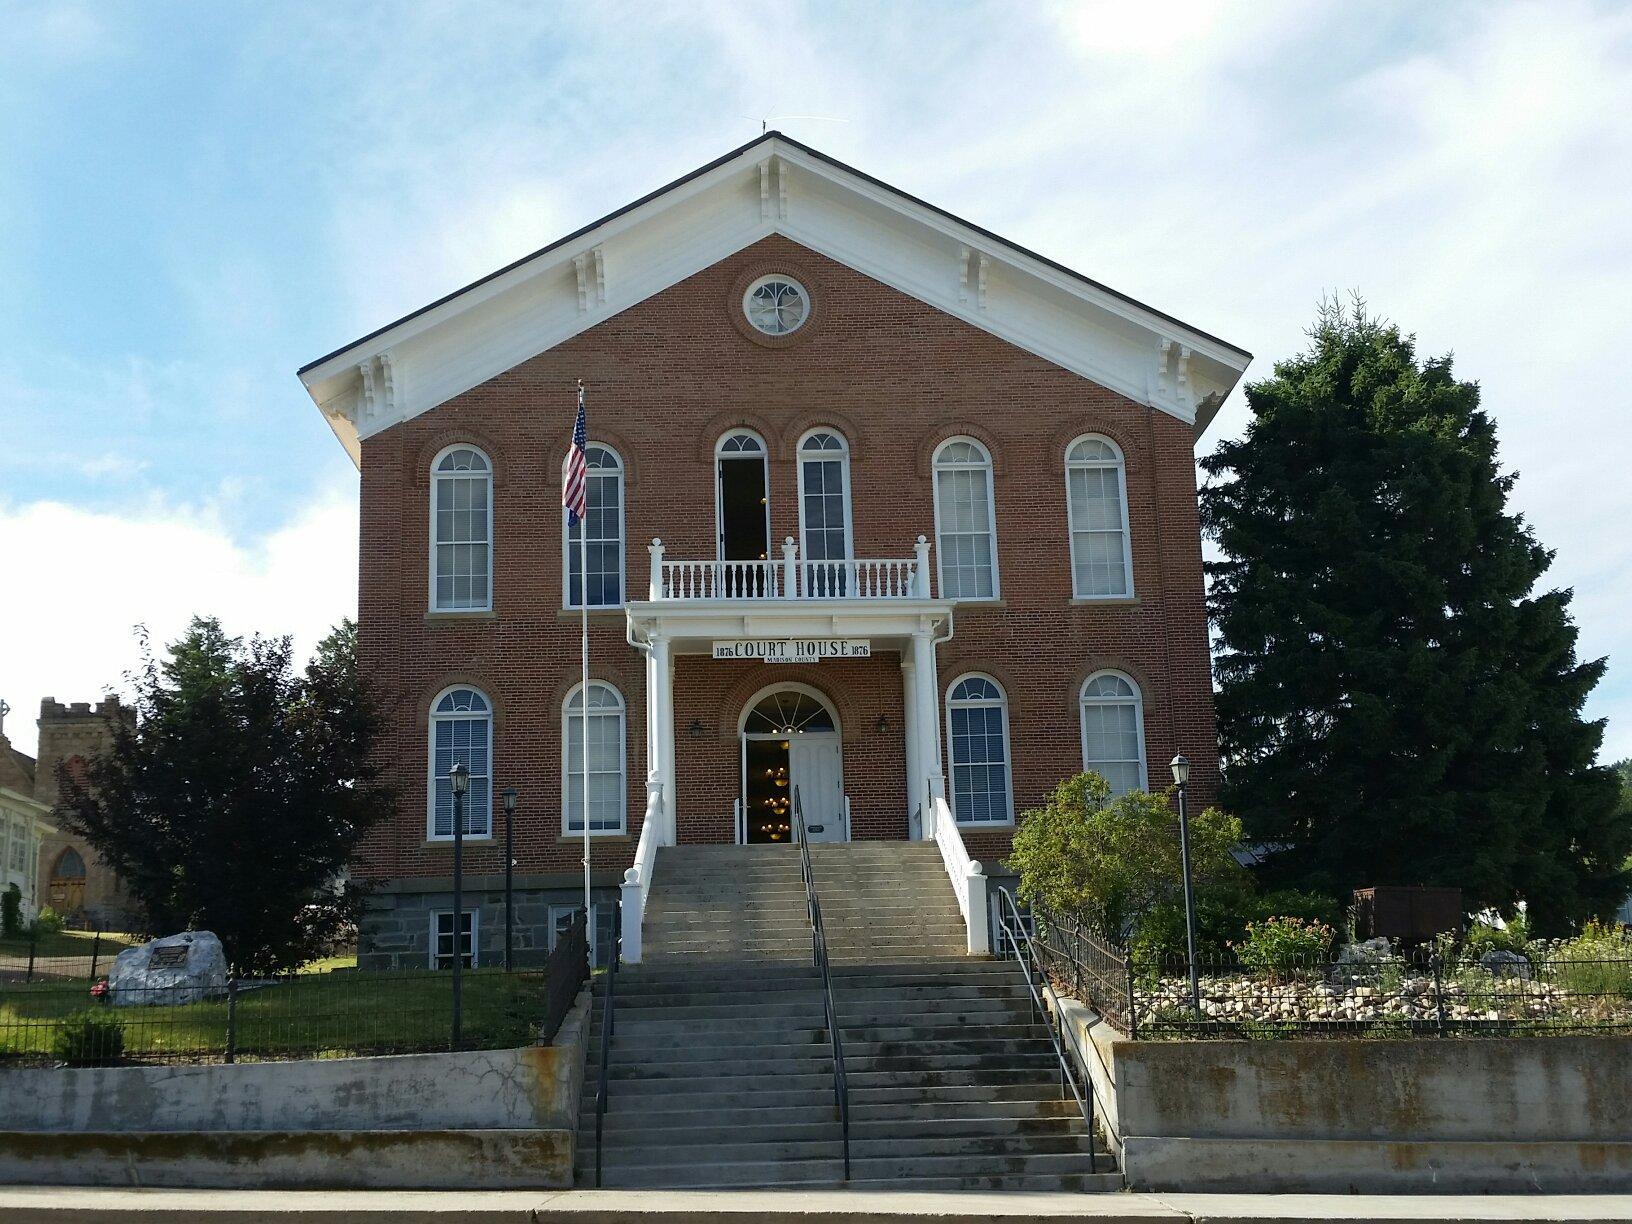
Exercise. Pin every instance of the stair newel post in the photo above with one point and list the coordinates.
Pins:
(790, 568)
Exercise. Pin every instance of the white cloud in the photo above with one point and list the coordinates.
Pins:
(91, 577)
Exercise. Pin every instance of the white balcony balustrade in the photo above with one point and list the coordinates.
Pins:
(790, 578)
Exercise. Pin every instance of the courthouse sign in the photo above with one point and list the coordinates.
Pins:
(794, 650)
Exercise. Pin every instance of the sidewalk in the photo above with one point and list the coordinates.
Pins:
(78, 1205)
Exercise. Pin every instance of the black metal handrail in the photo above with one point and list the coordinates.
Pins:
(607, 1012)
(1015, 934)
(818, 948)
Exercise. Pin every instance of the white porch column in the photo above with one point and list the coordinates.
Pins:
(909, 707)
(662, 663)
(928, 715)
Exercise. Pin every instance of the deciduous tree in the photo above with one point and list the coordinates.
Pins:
(234, 800)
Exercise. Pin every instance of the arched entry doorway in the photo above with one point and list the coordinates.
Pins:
(67, 882)
(790, 741)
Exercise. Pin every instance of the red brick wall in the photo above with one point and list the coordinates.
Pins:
(666, 378)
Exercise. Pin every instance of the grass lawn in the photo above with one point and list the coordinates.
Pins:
(312, 1015)
(69, 943)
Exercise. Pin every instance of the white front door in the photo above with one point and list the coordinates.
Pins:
(814, 764)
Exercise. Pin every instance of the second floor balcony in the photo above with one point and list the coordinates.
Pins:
(790, 577)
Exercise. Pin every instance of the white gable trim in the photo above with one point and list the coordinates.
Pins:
(770, 186)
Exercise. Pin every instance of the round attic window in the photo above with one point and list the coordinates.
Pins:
(776, 305)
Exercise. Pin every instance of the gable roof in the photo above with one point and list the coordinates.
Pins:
(772, 184)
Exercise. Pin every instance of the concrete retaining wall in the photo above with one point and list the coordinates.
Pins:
(479, 1118)
(1473, 1115)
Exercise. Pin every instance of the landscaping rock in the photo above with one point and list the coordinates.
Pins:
(1504, 964)
(185, 968)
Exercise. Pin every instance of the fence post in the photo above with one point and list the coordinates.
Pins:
(33, 941)
(1439, 995)
(1133, 1020)
(96, 953)
(232, 1019)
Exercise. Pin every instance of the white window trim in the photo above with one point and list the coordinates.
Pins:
(843, 457)
(1138, 701)
(1070, 517)
(991, 505)
(623, 762)
(1008, 748)
(430, 764)
(430, 557)
(567, 550)
(597, 910)
(719, 489)
(475, 936)
(804, 293)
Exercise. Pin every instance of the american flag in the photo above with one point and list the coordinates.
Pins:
(574, 469)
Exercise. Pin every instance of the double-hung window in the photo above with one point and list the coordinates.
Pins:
(1113, 731)
(461, 531)
(977, 737)
(603, 493)
(461, 733)
(604, 735)
(442, 942)
(1097, 505)
(965, 524)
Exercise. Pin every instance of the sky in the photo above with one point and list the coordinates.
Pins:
(196, 199)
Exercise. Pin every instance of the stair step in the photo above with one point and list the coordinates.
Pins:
(1061, 1171)
(983, 1147)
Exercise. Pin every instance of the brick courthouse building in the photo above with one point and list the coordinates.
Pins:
(951, 482)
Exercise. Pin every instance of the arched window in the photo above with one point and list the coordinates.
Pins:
(965, 525)
(1096, 502)
(69, 865)
(461, 531)
(461, 732)
(1113, 731)
(788, 712)
(604, 521)
(824, 511)
(605, 735)
(977, 737)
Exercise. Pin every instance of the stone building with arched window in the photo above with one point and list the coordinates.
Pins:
(68, 875)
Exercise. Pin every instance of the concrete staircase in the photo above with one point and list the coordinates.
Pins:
(721, 1071)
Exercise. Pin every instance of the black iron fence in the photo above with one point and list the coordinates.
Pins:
(1553, 989)
(58, 956)
(335, 1014)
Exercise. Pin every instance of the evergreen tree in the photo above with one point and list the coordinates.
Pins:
(1396, 703)
(235, 799)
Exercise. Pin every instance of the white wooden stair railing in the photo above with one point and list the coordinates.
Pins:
(967, 876)
(637, 881)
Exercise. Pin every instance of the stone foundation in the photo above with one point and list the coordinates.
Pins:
(395, 932)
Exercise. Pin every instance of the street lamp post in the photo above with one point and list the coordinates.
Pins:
(1181, 778)
(459, 783)
(509, 878)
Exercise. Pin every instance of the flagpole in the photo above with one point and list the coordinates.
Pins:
(583, 691)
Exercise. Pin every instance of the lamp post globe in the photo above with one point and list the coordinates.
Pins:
(1181, 770)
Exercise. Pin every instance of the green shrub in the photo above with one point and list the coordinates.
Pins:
(1284, 944)
(1111, 861)
(90, 1039)
(1482, 937)
(49, 922)
(11, 912)
(1596, 962)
